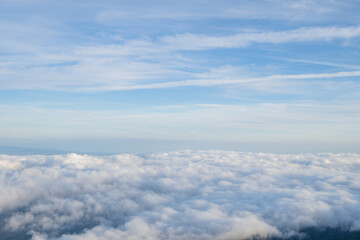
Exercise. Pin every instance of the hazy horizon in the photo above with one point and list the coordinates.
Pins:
(120, 146)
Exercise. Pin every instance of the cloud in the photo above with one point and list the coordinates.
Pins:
(60, 54)
(190, 41)
(62, 60)
(177, 195)
(325, 63)
(193, 10)
(226, 81)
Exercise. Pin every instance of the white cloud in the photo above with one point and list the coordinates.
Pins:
(178, 195)
(223, 81)
(133, 63)
(190, 41)
(333, 64)
(299, 10)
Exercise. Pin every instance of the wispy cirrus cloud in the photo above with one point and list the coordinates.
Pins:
(301, 10)
(190, 41)
(221, 82)
(131, 63)
(325, 63)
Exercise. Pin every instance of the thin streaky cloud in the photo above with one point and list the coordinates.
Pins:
(124, 66)
(331, 64)
(189, 41)
(218, 82)
(294, 11)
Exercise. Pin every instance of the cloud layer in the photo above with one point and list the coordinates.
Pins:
(156, 62)
(177, 195)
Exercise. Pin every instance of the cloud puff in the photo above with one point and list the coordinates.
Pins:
(177, 195)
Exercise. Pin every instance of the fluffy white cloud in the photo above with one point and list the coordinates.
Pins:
(177, 195)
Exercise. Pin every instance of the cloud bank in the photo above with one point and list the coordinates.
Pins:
(177, 195)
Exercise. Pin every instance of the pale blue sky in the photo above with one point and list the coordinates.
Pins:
(244, 75)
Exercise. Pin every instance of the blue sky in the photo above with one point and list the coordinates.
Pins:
(264, 75)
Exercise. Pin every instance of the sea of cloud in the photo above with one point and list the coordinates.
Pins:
(177, 195)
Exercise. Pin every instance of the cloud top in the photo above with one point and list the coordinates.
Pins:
(177, 195)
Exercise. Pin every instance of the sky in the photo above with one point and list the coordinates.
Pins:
(137, 76)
